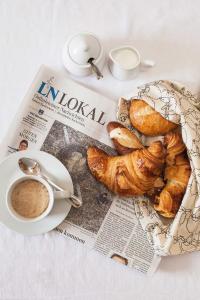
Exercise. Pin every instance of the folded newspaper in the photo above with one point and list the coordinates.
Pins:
(63, 118)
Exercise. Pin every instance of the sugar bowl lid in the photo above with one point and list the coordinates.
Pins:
(82, 47)
(83, 55)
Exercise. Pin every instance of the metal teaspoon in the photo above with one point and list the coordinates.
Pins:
(32, 167)
(95, 69)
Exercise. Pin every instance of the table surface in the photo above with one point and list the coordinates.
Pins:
(33, 33)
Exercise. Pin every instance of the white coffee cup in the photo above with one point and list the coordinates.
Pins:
(125, 62)
(53, 195)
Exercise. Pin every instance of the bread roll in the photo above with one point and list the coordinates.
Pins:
(148, 121)
(124, 140)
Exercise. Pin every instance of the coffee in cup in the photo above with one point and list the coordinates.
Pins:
(29, 198)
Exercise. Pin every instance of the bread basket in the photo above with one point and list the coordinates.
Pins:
(177, 104)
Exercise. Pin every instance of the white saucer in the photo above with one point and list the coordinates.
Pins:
(9, 170)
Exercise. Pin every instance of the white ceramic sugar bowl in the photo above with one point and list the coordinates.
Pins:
(83, 55)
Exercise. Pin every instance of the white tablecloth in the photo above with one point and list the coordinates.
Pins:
(33, 32)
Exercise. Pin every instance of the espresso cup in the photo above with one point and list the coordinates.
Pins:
(51, 194)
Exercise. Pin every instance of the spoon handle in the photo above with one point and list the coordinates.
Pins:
(95, 69)
(75, 201)
(52, 183)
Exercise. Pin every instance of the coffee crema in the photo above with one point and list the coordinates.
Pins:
(30, 198)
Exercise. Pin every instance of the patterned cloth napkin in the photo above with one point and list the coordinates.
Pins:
(179, 105)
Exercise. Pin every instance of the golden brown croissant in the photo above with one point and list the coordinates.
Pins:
(123, 139)
(136, 173)
(177, 174)
(175, 146)
(148, 121)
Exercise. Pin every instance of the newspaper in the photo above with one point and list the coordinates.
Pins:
(63, 118)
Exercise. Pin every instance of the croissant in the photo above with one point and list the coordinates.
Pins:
(177, 174)
(136, 173)
(175, 146)
(123, 139)
(148, 121)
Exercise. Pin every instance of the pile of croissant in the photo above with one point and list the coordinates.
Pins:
(160, 171)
